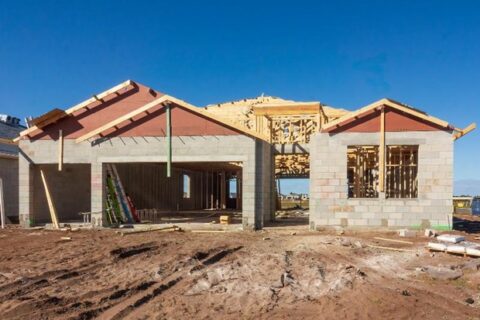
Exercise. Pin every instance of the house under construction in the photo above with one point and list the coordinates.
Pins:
(384, 165)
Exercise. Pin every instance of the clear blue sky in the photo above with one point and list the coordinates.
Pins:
(346, 54)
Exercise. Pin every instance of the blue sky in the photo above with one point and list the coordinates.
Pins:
(343, 53)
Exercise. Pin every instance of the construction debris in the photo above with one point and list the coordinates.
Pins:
(407, 233)
(393, 240)
(452, 238)
(164, 229)
(390, 248)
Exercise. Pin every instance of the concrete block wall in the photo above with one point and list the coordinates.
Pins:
(329, 202)
(9, 176)
(253, 154)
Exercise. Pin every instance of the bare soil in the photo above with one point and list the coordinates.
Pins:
(281, 273)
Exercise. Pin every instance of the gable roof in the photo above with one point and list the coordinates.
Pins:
(56, 115)
(346, 119)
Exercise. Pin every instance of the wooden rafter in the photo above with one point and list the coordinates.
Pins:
(166, 98)
(57, 114)
(378, 104)
(461, 132)
(121, 119)
(8, 141)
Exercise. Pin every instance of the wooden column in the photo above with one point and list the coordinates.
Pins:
(2, 204)
(60, 150)
(223, 191)
(169, 140)
(381, 165)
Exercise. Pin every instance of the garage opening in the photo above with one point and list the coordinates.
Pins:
(69, 189)
(196, 192)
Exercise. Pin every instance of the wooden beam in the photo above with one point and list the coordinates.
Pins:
(2, 204)
(121, 119)
(51, 205)
(169, 140)
(381, 165)
(263, 110)
(7, 141)
(60, 150)
(81, 105)
(463, 132)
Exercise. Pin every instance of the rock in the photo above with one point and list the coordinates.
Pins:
(469, 300)
(293, 233)
(406, 293)
(358, 244)
(345, 242)
(443, 273)
(266, 238)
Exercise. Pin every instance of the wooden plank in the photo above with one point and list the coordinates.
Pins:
(53, 118)
(51, 205)
(121, 119)
(8, 141)
(2, 204)
(294, 109)
(393, 240)
(381, 165)
(463, 132)
(390, 248)
(60, 150)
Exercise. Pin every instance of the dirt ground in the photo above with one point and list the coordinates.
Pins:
(279, 273)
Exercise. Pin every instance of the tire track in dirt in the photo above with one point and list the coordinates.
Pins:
(135, 302)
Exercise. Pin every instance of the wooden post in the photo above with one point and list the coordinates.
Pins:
(2, 204)
(60, 150)
(223, 191)
(169, 141)
(51, 206)
(381, 166)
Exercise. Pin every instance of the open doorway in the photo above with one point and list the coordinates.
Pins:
(292, 184)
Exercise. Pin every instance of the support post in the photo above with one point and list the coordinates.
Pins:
(2, 204)
(51, 206)
(169, 140)
(60, 150)
(381, 165)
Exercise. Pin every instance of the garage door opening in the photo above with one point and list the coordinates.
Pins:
(196, 192)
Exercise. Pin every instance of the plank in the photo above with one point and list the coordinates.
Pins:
(390, 248)
(393, 240)
(51, 205)
(2, 204)
(60, 150)
(381, 165)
